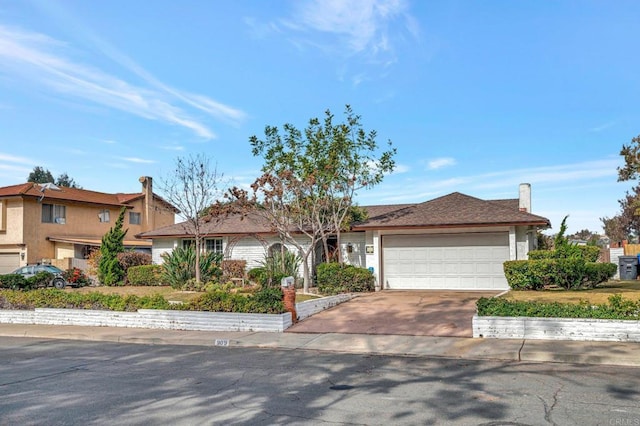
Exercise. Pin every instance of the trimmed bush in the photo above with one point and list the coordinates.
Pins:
(617, 308)
(335, 278)
(76, 276)
(53, 298)
(265, 301)
(598, 273)
(587, 253)
(144, 275)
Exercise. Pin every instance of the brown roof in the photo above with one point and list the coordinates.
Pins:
(232, 225)
(73, 194)
(453, 210)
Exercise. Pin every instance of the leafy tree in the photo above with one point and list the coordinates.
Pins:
(614, 228)
(65, 180)
(110, 271)
(311, 178)
(197, 190)
(545, 242)
(40, 175)
(631, 154)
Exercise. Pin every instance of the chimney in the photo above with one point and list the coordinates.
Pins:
(524, 200)
(148, 216)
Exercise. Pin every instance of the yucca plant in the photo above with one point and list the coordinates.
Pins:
(179, 266)
(279, 265)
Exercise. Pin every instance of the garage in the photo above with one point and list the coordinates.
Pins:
(470, 261)
(9, 262)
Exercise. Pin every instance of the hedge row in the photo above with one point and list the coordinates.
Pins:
(19, 282)
(263, 301)
(587, 253)
(144, 275)
(570, 273)
(617, 308)
(335, 278)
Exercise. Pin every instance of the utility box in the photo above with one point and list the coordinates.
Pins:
(628, 267)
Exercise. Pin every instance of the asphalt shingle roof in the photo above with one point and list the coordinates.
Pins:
(453, 210)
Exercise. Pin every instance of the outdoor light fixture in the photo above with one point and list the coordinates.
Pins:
(349, 248)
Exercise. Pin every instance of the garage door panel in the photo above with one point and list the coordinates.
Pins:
(9, 262)
(459, 261)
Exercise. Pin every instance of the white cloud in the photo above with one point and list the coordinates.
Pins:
(15, 159)
(439, 163)
(356, 26)
(137, 160)
(602, 126)
(40, 59)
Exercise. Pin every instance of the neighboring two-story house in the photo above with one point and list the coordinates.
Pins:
(42, 222)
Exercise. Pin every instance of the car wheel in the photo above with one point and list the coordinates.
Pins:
(59, 284)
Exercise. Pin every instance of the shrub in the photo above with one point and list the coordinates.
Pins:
(13, 282)
(41, 279)
(587, 253)
(257, 275)
(537, 274)
(267, 300)
(144, 275)
(53, 298)
(128, 259)
(616, 308)
(179, 266)
(597, 273)
(279, 265)
(109, 270)
(76, 277)
(334, 278)
(233, 269)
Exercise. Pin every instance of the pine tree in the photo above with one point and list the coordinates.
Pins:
(110, 271)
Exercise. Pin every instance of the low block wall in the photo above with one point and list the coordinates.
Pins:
(556, 329)
(151, 318)
(171, 320)
(310, 307)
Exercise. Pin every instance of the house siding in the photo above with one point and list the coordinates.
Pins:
(161, 246)
(357, 257)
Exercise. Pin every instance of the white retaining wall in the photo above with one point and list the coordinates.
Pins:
(556, 329)
(151, 318)
(171, 320)
(310, 307)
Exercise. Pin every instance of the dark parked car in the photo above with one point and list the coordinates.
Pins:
(58, 280)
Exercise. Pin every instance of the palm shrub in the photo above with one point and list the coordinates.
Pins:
(179, 266)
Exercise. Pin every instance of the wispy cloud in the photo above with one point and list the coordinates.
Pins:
(602, 127)
(43, 60)
(361, 25)
(15, 159)
(137, 160)
(439, 163)
(585, 174)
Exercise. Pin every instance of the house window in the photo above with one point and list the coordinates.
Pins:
(103, 216)
(214, 245)
(134, 218)
(54, 213)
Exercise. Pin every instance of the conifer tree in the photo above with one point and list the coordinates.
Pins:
(110, 271)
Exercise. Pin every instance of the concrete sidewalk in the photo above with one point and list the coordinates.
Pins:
(604, 353)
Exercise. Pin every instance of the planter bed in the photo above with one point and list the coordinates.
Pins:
(556, 328)
(171, 320)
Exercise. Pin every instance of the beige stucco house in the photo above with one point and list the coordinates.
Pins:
(42, 222)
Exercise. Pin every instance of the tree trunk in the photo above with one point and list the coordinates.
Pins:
(306, 279)
(339, 246)
(198, 243)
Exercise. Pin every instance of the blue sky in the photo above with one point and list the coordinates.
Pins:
(476, 96)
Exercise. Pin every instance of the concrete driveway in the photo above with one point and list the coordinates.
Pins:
(414, 312)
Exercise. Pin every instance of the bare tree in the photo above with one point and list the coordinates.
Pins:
(193, 187)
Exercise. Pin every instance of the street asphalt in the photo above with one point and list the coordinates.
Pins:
(602, 353)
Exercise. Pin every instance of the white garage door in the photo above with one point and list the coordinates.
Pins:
(452, 261)
(9, 262)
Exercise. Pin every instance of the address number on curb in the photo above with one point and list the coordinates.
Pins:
(221, 342)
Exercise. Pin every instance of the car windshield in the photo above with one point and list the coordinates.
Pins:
(52, 269)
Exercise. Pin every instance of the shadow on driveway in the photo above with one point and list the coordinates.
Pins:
(413, 312)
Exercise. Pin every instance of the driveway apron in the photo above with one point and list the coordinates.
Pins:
(411, 312)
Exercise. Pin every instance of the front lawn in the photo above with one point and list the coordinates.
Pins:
(628, 289)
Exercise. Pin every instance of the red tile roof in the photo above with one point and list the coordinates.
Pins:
(71, 194)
